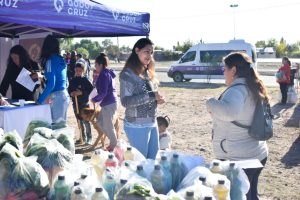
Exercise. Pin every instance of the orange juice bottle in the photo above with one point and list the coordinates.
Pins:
(220, 190)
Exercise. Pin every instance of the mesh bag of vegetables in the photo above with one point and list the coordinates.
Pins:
(23, 175)
(12, 138)
(65, 137)
(51, 154)
(30, 129)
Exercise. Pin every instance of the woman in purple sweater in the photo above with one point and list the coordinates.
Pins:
(107, 98)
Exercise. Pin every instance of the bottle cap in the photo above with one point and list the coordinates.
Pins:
(216, 164)
(207, 198)
(99, 189)
(126, 164)
(76, 183)
(190, 193)
(61, 177)
(175, 155)
(83, 176)
(222, 182)
(139, 167)
(123, 181)
(157, 167)
(78, 190)
(129, 148)
(203, 179)
(110, 156)
(164, 158)
(232, 164)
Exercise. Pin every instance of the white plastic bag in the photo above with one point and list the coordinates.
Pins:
(292, 95)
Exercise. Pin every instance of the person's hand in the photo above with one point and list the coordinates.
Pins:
(159, 99)
(78, 92)
(48, 100)
(3, 102)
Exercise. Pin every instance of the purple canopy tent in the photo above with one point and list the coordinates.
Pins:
(69, 18)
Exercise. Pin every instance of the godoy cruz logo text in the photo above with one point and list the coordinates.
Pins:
(74, 7)
(9, 3)
(146, 27)
(124, 17)
(58, 4)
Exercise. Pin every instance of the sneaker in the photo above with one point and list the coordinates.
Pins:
(89, 141)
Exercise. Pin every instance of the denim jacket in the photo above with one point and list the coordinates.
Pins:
(137, 96)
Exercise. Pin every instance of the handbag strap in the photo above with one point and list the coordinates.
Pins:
(230, 87)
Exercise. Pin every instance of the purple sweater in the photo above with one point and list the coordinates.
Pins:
(106, 88)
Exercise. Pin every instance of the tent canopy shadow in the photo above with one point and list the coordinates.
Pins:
(293, 121)
(291, 158)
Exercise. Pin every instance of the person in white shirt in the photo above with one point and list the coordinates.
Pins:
(165, 138)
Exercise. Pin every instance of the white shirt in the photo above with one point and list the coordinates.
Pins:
(165, 140)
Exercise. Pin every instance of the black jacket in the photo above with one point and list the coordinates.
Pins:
(83, 84)
(18, 91)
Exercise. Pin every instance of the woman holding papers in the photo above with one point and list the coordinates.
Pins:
(18, 60)
(55, 70)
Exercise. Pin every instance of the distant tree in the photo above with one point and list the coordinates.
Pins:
(281, 48)
(260, 44)
(186, 45)
(82, 51)
(125, 49)
(272, 42)
(106, 43)
(66, 44)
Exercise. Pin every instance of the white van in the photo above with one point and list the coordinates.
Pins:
(205, 60)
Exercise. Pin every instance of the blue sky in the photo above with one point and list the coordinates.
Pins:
(213, 20)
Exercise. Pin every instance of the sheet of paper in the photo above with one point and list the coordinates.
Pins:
(25, 80)
(245, 164)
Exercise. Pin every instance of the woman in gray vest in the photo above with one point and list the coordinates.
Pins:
(139, 96)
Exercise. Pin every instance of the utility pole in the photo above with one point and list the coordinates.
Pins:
(233, 6)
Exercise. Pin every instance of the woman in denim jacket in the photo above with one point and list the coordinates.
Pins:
(139, 96)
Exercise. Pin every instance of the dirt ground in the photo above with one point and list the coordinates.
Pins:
(191, 127)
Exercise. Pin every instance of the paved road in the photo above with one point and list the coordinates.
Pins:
(163, 77)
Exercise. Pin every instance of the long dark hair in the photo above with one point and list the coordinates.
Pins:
(102, 59)
(244, 69)
(133, 62)
(50, 46)
(24, 57)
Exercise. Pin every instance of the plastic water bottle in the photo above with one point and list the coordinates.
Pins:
(176, 172)
(109, 185)
(203, 180)
(166, 169)
(140, 171)
(189, 195)
(61, 189)
(111, 161)
(128, 154)
(235, 183)
(157, 180)
(100, 194)
(78, 194)
(220, 190)
(216, 168)
(121, 183)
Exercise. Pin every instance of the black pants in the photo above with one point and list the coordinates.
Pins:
(253, 174)
(284, 90)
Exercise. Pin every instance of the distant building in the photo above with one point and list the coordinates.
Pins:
(267, 52)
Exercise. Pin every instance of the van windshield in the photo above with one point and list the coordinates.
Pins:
(188, 57)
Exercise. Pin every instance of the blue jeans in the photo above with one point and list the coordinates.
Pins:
(144, 138)
(59, 105)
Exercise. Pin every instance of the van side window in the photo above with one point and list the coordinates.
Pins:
(190, 56)
(213, 56)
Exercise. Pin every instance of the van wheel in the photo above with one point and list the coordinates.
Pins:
(178, 77)
(187, 80)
